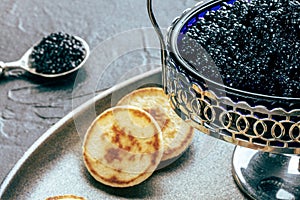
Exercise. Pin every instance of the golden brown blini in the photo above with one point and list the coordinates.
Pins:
(177, 134)
(123, 146)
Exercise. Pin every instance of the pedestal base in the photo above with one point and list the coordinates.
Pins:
(266, 176)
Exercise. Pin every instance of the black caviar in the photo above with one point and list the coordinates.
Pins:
(253, 44)
(57, 53)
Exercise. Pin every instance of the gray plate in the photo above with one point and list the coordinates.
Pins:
(53, 165)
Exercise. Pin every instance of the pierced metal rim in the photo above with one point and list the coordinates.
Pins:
(233, 140)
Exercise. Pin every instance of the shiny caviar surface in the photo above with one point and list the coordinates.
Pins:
(57, 53)
(248, 45)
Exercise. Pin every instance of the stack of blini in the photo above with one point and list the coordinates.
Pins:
(125, 144)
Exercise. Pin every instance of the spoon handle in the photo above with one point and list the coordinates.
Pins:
(1, 68)
(9, 67)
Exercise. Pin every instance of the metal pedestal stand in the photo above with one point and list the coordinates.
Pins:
(266, 176)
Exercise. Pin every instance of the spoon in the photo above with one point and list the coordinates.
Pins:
(24, 63)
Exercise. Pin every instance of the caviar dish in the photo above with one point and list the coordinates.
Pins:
(248, 118)
(256, 107)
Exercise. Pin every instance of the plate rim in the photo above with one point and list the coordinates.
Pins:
(70, 116)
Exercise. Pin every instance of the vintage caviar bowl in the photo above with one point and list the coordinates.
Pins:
(264, 128)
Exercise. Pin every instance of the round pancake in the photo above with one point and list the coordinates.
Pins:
(177, 134)
(66, 197)
(123, 146)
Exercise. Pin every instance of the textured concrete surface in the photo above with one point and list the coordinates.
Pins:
(123, 45)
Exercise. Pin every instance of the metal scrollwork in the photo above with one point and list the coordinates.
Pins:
(254, 127)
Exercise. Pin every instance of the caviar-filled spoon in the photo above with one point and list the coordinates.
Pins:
(56, 55)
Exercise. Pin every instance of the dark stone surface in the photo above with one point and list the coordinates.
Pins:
(123, 44)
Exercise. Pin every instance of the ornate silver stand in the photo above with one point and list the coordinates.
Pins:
(266, 129)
